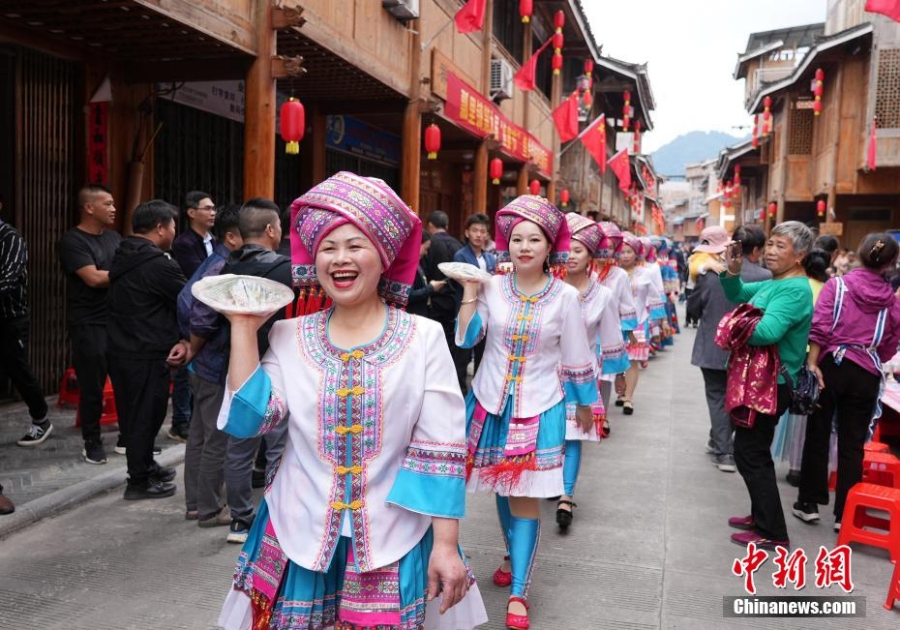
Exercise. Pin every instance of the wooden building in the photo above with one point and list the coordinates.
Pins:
(812, 165)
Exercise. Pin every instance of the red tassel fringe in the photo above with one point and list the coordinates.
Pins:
(507, 473)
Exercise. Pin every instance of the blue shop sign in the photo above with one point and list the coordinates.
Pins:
(353, 136)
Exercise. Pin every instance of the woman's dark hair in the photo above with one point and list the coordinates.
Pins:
(750, 238)
(827, 242)
(816, 264)
(878, 250)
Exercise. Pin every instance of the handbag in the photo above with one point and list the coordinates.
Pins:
(804, 393)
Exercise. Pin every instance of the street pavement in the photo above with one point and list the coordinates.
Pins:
(649, 547)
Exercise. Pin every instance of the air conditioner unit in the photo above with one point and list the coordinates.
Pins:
(402, 9)
(501, 79)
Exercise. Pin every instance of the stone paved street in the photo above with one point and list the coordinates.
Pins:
(649, 547)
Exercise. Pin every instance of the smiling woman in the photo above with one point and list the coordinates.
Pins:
(359, 528)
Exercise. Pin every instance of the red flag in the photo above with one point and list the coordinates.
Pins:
(594, 140)
(524, 78)
(873, 143)
(890, 8)
(470, 17)
(565, 116)
(621, 166)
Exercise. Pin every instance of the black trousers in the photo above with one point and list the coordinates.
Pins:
(753, 456)
(142, 398)
(89, 361)
(849, 396)
(460, 356)
(15, 364)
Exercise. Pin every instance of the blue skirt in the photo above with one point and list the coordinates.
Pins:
(545, 480)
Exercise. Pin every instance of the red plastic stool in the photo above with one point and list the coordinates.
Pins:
(894, 589)
(877, 447)
(868, 496)
(882, 469)
(69, 393)
(108, 414)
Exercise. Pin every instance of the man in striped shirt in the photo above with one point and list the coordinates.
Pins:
(14, 325)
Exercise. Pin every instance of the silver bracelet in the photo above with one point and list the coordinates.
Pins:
(474, 299)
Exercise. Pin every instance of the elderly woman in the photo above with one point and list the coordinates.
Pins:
(856, 326)
(786, 302)
(537, 358)
(359, 527)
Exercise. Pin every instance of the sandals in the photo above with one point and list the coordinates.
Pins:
(501, 577)
(517, 622)
(604, 429)
(620, 402)
(564, 517)
(628, 408)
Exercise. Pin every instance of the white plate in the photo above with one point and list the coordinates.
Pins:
(463, 272)
(246, 295)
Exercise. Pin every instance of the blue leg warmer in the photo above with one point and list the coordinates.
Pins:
(524, 534)
(571, 466)
(503, 514)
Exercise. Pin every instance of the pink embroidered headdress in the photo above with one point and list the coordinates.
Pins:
(537, 210)
(612, 240)
(370, 205)
(634, 243)
(586, 232)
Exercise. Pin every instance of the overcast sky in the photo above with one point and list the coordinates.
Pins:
(691, 47)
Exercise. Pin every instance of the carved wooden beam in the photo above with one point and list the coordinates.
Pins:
(287, 67)
(287, 17)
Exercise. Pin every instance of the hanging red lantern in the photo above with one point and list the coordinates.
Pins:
(726, 195)
(626, 110)
(767, 115)
(559, 41)
(534, 187)
(564, 197)
(526, 10)
(293, 125)
(762, 215)
(588, 67)
(588, 99)
(820, 208)
(559, 20)
(755, 135)
(432, 140)
(496, 170)
(637, 137)
(737, 175)
(556, 62)
(773, 210)
(818, 90)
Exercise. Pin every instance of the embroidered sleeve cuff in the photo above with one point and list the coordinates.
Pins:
(658, 311)
(474, 333)
(254, 409)
(629, 322)
(580, 386)
(431, 482)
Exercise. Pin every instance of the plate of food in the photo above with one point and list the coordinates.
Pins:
(246, 295)
(463, 272)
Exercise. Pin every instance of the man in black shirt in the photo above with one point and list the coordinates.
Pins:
(14, 325)
(86, 252)
(144, 341)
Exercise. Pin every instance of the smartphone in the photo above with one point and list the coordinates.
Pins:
(735, 250)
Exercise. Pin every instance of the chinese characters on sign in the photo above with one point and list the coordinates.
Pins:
(832, 568)
(98, 159)
(472, 111)
(223, 98)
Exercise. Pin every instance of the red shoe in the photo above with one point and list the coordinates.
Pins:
(517, 622)
(501, 577)
(745, 538)
(742, 522)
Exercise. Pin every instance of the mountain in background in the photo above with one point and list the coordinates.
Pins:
(690, 148)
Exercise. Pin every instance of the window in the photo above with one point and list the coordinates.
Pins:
(887, 91)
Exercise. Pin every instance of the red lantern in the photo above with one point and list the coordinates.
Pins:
(755, 141)
(559, 20)
(293, 124)
(558, 41)
(637, 137)
(556, 62)
(588, 99)
(626, 110)
(588, 67)
(534, 187)
(564, 197)
(737, 175)
(432, 140)
(767, 115)
(820, 208)
(773, 209)
(818, 90)
(762, 215)
(526, 9)
(496, 170)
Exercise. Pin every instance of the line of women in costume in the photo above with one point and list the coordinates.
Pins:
(359, 528)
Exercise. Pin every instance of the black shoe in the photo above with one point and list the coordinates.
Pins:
(161, 473)
(93, 453)
(153, 489)
(240, 530)
(258, 478)
(564, 517)
(793, 478)
(178, 433)
(806, 512)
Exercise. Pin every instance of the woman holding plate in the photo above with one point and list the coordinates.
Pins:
(359, 528)
(537, 357)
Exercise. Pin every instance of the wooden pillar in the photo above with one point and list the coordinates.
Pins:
(783, 156)
(522, 183)
(259, 111)
(480, 178)
(555, 91)
(832, 171)
(411, 149)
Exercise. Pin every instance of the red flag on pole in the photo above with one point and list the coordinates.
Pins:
(621, 166)
(525, 77)
(873, 145)
(594, 140)
(565, 116)
(890, 8)
(470, 17)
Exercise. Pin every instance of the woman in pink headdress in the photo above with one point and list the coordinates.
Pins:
(536, 358)
(359, 527)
